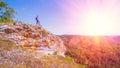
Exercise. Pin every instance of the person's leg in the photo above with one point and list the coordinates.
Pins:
(37, 23)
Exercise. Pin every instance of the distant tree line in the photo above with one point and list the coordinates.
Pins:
(6, 12)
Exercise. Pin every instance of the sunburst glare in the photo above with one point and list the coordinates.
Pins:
(93, 17)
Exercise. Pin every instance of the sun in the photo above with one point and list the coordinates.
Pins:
(98, 23)
(92, 17)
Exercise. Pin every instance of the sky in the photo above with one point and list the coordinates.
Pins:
(81, 17)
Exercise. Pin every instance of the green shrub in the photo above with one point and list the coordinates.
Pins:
(6, 12)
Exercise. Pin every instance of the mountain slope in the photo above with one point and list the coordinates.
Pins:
(31, 46)
(33, 37)
(11, 56)
(94, 51)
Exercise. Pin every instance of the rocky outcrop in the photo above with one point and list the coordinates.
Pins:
(33, 37)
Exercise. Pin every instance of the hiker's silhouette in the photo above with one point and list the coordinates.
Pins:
(37, 20)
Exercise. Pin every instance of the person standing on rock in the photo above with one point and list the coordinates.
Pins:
(37, 20)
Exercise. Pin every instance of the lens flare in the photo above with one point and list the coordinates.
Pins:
(92, 17)
(98, 23)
